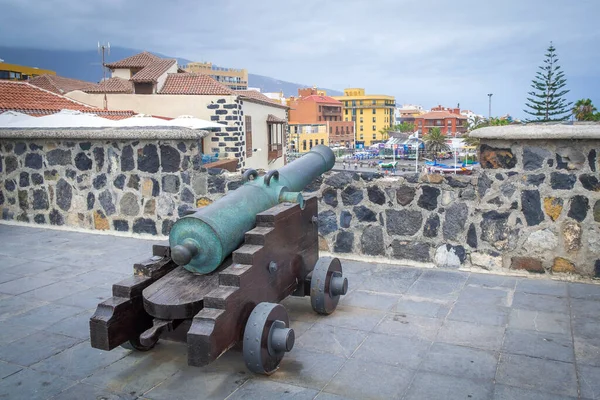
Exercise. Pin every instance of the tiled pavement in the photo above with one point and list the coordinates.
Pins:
(400, 333)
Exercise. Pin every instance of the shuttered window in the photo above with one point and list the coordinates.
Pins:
(248, 136)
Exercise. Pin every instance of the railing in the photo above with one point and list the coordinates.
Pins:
(370, 105)
(275, 151)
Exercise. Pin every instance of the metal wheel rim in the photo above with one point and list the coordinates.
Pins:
(322, 301)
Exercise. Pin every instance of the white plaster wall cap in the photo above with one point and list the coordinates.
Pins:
(133, 133)
(577, 130)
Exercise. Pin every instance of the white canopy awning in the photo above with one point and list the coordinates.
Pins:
(188, 121)
(62, 119)
(9, 117)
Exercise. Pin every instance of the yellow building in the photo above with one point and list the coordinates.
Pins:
(235, 79)
(15, 72)
(303, 137)
(371, 112)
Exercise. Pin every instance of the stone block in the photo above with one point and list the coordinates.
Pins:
(454, 223)
(144, 225)
(34, 161)
(448, 256)
(534, 157)
(432, 226)
(127, 161)
(83, 162)
(129, 205)
(364, 214)
(428, 198)
(330, 197)
(170, 158)
(572, 236)
(596, 211)
(527, 264)
(496, 158)
(100, 221)
(345, 219)
(59, 157)
(203, 202)
(351, 196)
(590, 182)
(553, 207)
(323, 245)
(563, 265)
(64, 194)
(405, 195)
(578, 208)
(344, 242)
(147, 158)
(376, 195)
(560, 181)
(570, 157)
(417, 251)
(487, 261)
(371, 241)
(592, 160)
(170, 183)
(541, 241)
(431, 178)
(327, 222)
(403, 222)
(106, 200)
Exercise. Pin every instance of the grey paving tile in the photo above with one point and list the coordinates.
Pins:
(76, 326)
(385, 284)
(539, 321)
(584, 309)
(15, 305)
(305, 368)
(587, 328)
(54, 291)
(537, 374)
(352, 318)
(371, 300)
(540, 302)
(330, 396)
(98, 278)
(491, 281)
(542, 286)
(422, 307)
(300, 327)
(430, 386)
(393, 350)
(444, 276)
(79, 361)
(500, 297)
(82, 391)
(486, 337)
(462, 362)
(360, 379)
(479, 313)
(589, 381)
(35, 347)
(86, 299)
(25, 284)
(434, 290)
(7, 263)
(586, 352)
(7, 369)
(7, 277)
(409, 325)
(31, 268)
(65, 272)
(13, 331)
(299, 309)
(584, 291)
(266, 390)
(550, 346)
(503, 392)
(44, 316)
(331, 339)
(31, 385)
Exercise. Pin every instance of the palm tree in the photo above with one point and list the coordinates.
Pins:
(470, 140)
(435, 141)
(384, 132)
(584, 110)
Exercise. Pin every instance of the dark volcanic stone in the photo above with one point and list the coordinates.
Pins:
(405, 194)
(23, 179)
(39, 219)
(534, 157)
(134, 182)
(596, 211)
(20, 148)
(496, 201)
(532, 207)
(560, 163)
(33, 160)
(590, 182)
(579, 208)
(216, 184)
(494, 158)
(170, 183)
(412, 178)
(37, 179)
(148, 160)
(364, 214)
(144, 225)
(597, 269)
(181, 210)
(56, 218)
(186, 179)
(121, 225)
(99, 158)
(344, 241)
(127, 162)
(1, 198)
(71, 174)
(508, 189)
(370, 176)
(339, 180)
(351, 196)
(456, 182)
(428, 199)
(550, 163)
(23, 201)
(403, 222)
(187, 196)
(119, 181)
(371, 241)
(376, 195)
(64, 194)
(167, 224)
(11, 164)
(314, 185)
(494, 227)
(169, 158)
(91, 200)
(330, 197)
(483, 184)
(499, 177)
(83, 162)
(85, 145)
(181, 147)
(327, 222)
(34, 147)
(416, 251)
(472, 236)
(233, 185)
(431, 226)
(345, 219)
(454, 223)
(592, 160)
(536, 180)
(560, 181)
(59, 157)
(23, 217)
(106, 201)
(155, 187)
(40, 199)
(100, 181)
(10, 185)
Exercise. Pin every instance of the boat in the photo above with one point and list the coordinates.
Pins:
(459, 169)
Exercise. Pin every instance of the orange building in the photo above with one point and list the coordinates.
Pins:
(313, 106)
(449, 120)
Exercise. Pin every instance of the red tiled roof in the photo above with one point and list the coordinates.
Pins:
(154, 70)
(193, 84)
(440, 115)
(139, 60)
(112, 85)
(257, 97)
(59, 84)
(30, 99)
(321, 99)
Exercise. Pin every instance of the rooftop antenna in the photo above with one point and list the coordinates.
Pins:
(104, 50)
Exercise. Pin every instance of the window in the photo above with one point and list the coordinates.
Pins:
(361, 102)
(347, 130)
(374, 102)
(361, 111)
(374, 136)
(337, 131)
(322, 141)
(304, 145)
(346, 118)
(330, 130)
(361, 120)
(374, 128)
(319, 117)
(248, 121)
(361, 137)
(346, 111)
(3, 74)
(353, 103)
(351, 129)
(374, 119)
(310, 144)
(374, 111)
(346, 103)
(320, 109)
(361, 128)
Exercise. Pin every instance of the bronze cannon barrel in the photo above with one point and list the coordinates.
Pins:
(202, 240)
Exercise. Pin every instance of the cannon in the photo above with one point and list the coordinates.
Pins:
(219, 282)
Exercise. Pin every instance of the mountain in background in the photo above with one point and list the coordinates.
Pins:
(86, 65)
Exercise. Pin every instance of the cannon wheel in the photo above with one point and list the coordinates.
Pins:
(134, 344)
(327, 284)
(267, 337)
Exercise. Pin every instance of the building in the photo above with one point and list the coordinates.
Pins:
(449, 120)
(235, 79)
(304, 136)
(408, 113)
(60, 84)
(372, 113)
(15, 72)
(279, 97)
(314, 107)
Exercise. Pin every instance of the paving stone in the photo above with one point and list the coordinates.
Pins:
(486, 337)
(586, 328)
(372, 300)
(98, 278)
(31, 385)
(585, 309)
(432, 386)
(7, 369)
(393, 350)
(444, 276)
(537, 374)
(352, 318)
(539, 321)
(77, 326)
(551, 288)
(432, 290)
(370, 380)
(300, 328)
(6, 262)
(587, 352)
(584, 291)
(14, 331)
(16, 305)
(44, 316)
(485, 296)
(299, 309)
(540, 302)
(383, 284)
(35, 347)
(410, 326)
(459, 361)
(25, 284)
(503, 392)
(82, 391)
(479, 313)
(7, 277)
(86, 299)
(491, 281)
(54, 291)
(589, 382)
(341, 342)
(330, 396)
(265, 390)
(63, 272)
(551, 346)
(422, 307)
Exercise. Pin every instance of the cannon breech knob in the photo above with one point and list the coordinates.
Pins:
(183, 253)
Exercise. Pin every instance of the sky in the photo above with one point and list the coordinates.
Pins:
(425, 52)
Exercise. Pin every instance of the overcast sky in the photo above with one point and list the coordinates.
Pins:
(425, 52)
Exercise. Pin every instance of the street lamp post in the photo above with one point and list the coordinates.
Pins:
(490, 108)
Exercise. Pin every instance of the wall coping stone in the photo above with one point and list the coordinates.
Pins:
(545, 131)
(132, 133)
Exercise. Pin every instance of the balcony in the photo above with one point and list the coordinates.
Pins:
(275, 151)
(369, 105)
(332, 112)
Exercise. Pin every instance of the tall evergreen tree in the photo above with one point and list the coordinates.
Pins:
(546, 101)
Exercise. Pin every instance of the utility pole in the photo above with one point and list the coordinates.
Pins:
(104, 49)
(490, 109)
